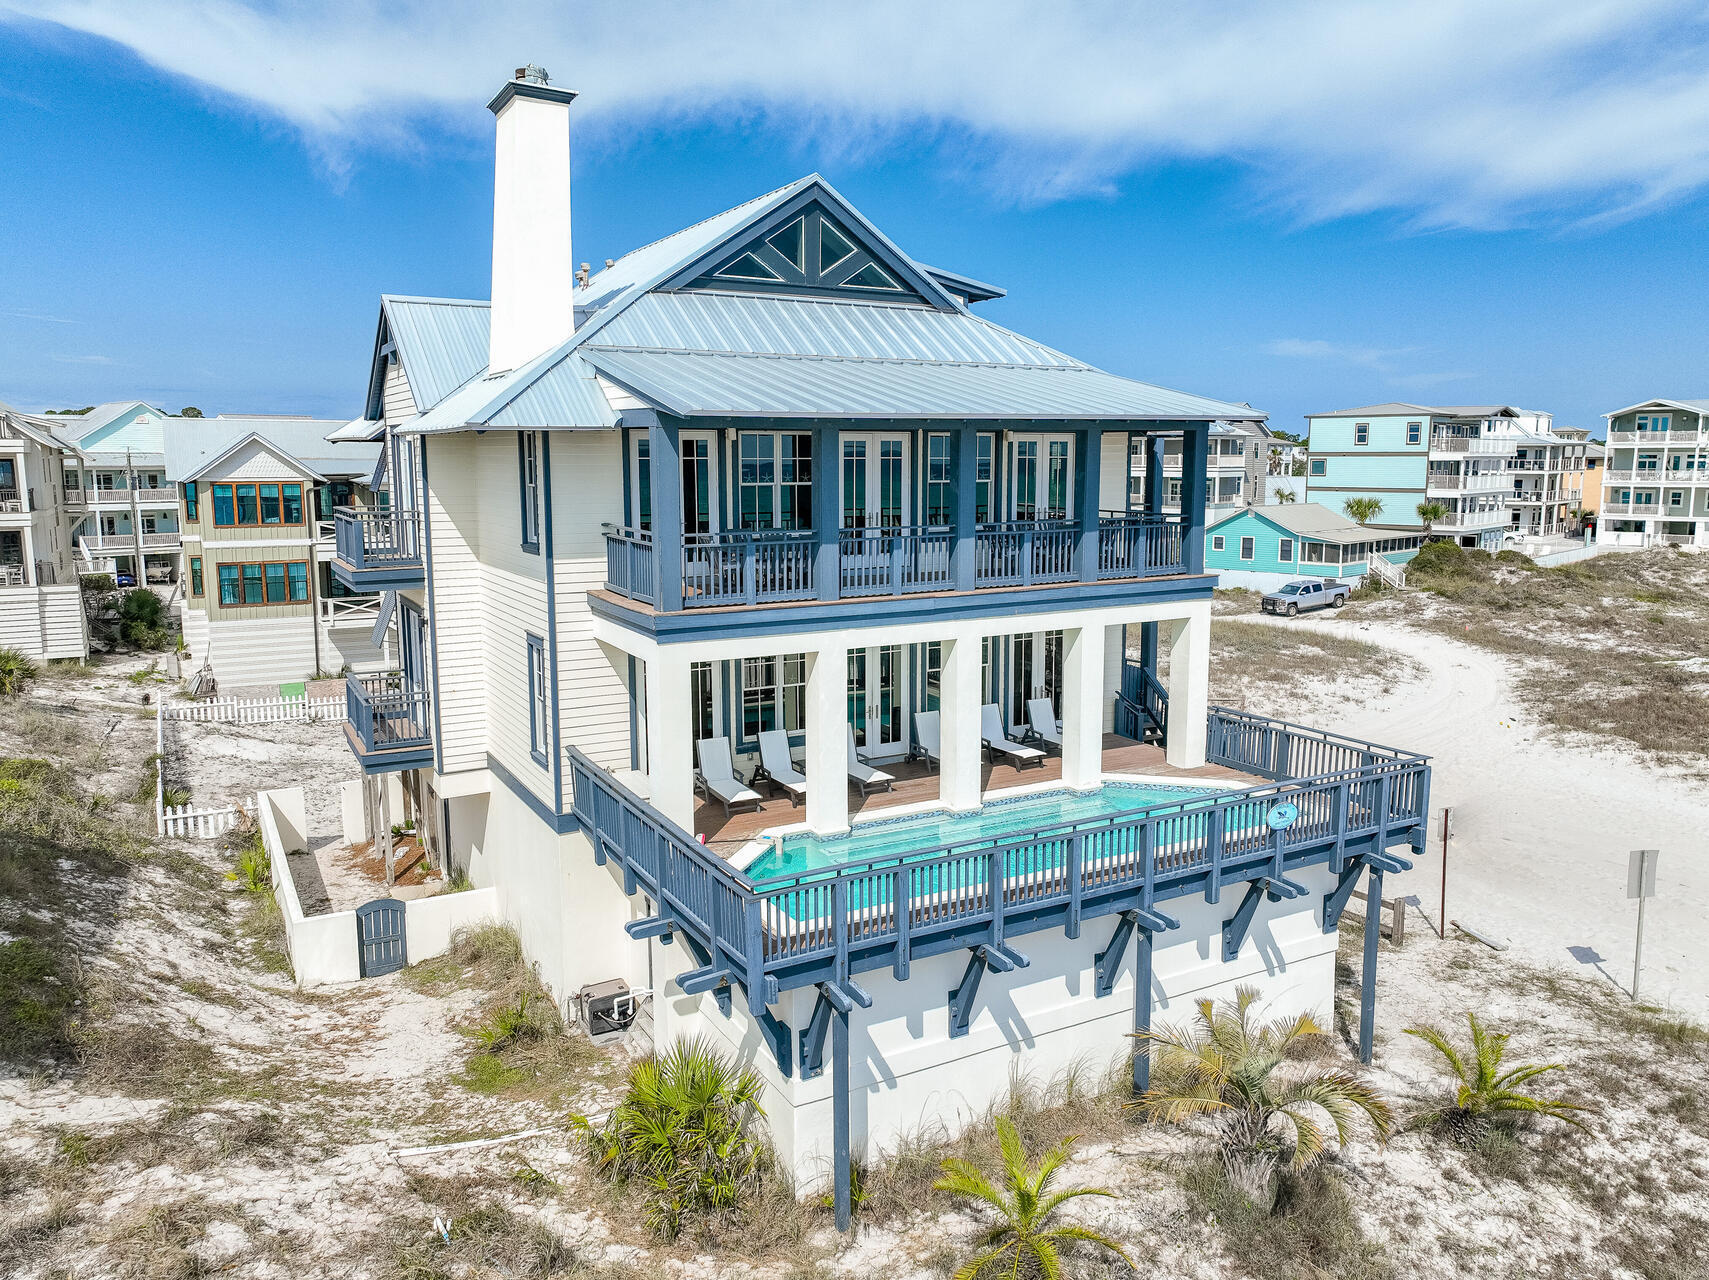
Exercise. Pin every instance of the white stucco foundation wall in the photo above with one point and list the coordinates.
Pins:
(568, 911)
(908, 1074)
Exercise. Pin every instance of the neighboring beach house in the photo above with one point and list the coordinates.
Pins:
(1547, 472)
(129, 521)
(1237, 467)
(41, 606)
(1655, 489)
(258, 600)
(1262, 549)
(768, 491)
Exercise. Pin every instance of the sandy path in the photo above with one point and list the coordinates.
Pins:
(1542, 830)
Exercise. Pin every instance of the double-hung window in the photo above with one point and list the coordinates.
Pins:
(248, 505)
(231, 589)
(1414, 432)
(254, 590)
(190, 504)
(938, 490)
(195, 575)
(1361, 433)
(528, 462)
(224, 511)
(539, 706)
(774, 480)
(1218, 542)
(774, 694)
(1285, 551)
(1248, 548)
(984, 475)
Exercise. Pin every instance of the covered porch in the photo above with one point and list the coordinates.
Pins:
(945, 711)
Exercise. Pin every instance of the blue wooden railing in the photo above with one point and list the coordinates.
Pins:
(377, 539)
(1357, 798)
(386, 713)
(760, 566)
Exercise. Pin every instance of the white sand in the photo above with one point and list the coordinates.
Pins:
(1542, 829)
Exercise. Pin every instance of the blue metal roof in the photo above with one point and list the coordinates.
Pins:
(442, 342)
(701, 384)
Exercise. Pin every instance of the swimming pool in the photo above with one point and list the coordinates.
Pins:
(804, 853)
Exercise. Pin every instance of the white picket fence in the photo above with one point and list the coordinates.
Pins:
(185, 820)
(255, 710)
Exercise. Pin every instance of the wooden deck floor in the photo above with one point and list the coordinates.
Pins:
(914, 785)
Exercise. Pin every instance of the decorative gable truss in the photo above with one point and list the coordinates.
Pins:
(808, 250)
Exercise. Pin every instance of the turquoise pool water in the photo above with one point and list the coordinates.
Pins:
(927, 832)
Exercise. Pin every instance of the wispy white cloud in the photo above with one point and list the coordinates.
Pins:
(81, 359)
(36, 316)
(1474, 113)
(1386, 361)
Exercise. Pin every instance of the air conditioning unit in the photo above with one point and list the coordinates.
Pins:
(607, 1008)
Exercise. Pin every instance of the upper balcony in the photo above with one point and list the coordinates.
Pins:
(1688, 435)
(389, 723)
(125, 544)
(1455, 445)
(13, 501)
(378, 550)
(143, 495)
(761, 567)
(1460, 482)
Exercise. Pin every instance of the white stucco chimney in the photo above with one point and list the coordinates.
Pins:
(534, 279)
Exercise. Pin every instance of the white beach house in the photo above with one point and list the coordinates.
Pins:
(765, 616)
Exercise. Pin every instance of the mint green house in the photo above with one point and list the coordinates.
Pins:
(1263, 547)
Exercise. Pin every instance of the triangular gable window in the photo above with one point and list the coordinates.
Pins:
(748, 267)
(808, 253)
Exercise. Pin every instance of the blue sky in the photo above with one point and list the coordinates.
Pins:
(203, 200)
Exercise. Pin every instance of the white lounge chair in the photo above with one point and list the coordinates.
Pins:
(927, 744)
(864, 775)
(1043, 726)
(991, 726)
(777, 766)
(716, 778)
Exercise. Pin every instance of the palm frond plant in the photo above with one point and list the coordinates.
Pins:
(1430, 512)
(1363, 510)
(684, 1135)
(1029, 1237)
(1285, 494)
(1242, 1072)
(1486, 1094)
(16, 671)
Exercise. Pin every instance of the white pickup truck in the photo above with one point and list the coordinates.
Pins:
(1306, 593)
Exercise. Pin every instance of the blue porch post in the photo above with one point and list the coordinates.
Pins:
(665, 468)
(964, 486)
(827, 467)
(1153, 508)
(1088, 444)
(841, 1198)
(1195, 459)
(1142, 1011)
(1368, 977)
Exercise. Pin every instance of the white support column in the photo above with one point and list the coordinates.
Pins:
(1189, 688)
(828, 740)
(670, 753)
(1082, 707)
(959, 699)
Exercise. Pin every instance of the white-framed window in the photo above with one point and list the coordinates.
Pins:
(1414, 432)
(700, 699)
(938, 488)
(539, 704)
(1361, 433)
(1172, 489)
(1285, 551)
(1675, 499)
(528, 463)
(1654, 421)
(1218, 542)
(1248, 548)
(1320, 467)
(774, 480)
(774, 694)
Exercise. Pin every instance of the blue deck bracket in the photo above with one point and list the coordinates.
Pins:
(1003, 957)
(1107, 961)
(781, 1037)
(1382, 861)
(1154, 921)
(965, 992)
(1279, 887)
(813, 1038)
(1235, 928)
(1335, 901)
(659, 927)
(699, 981)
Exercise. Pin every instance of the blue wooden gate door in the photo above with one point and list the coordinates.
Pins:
(380, 937)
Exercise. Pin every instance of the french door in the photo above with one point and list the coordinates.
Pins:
(1035, 671)
(875, 706)
(875, 480)
(1041, 469)
(699, 492)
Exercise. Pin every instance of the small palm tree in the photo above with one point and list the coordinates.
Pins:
(1284, 494)
(1486, 1093)
(1430, 512)
(1363, 510)
(684, 1134)
(16, 671)
(1226, 1065)
(1027, 1239)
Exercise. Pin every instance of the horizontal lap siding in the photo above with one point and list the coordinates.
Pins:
(43, 622)
(587, 492)
(514, 591)
(261, 650)
(1112, 471)
(454, 514)
(397, 401)
(1266, 547)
